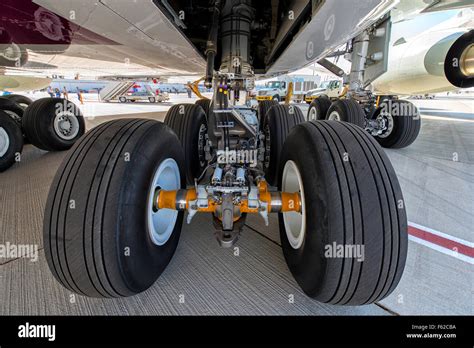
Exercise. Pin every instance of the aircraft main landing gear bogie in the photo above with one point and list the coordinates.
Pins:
(341, 212)
(53, 124)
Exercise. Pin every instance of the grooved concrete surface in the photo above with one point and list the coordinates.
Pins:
(211, 280)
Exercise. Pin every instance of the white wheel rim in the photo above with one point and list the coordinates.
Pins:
(295, 223)
(334, 116)
(313, 114)
(161, 223)
(4, 141)
(66, 125)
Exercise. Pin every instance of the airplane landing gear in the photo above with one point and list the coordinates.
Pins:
(102, 236)
(318, 108)
(393, 123)
(11, 141)
(53, 124)
(341, 212)
(346, 110)
(400, 122)
(349, 245)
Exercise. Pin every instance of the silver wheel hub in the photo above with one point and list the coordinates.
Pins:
(295, 222)
(161, 223)
(388, 125)
(4, 141)
(66, 125)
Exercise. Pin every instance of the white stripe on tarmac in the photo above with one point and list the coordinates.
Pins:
(439, 248)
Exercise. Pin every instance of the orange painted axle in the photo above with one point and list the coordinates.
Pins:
(276, 202)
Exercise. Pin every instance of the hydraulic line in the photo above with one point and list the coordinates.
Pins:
(211, 48)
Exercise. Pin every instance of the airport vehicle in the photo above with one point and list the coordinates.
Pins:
(126, 90)
(143, 96)
(278, 90)
(331, 89)
(116, 206)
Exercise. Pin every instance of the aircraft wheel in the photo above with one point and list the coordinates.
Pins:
(152, 99)
(318, 108)
(188, 121)
(279, 120)
(53, 124)
(403, 123)
(11, 141)
(122, 99)
(346, 110)
(13, 109)
(205, 104)
(263, 108)
(102, 236)
(21, 100)
(348, 245)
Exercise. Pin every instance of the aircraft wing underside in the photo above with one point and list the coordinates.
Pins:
(151, 37)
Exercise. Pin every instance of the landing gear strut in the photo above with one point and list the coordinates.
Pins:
(393, 123)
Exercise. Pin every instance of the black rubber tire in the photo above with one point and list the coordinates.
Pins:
(262, 110)
(205, 104)
(122, 99)
(321, 105)
(38, 123)
(279, 120)
(15, 139)
(152, 99)
(85, 246)
(14, 110)
(352, 197)
(349, 111)
(406, 126)
(186, 121)
(21, 100)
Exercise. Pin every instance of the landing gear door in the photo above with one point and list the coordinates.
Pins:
(377, 62)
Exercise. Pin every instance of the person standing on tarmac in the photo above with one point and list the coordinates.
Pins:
(50, 91)
(66, 95)
(79, 96)
(190, 93)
